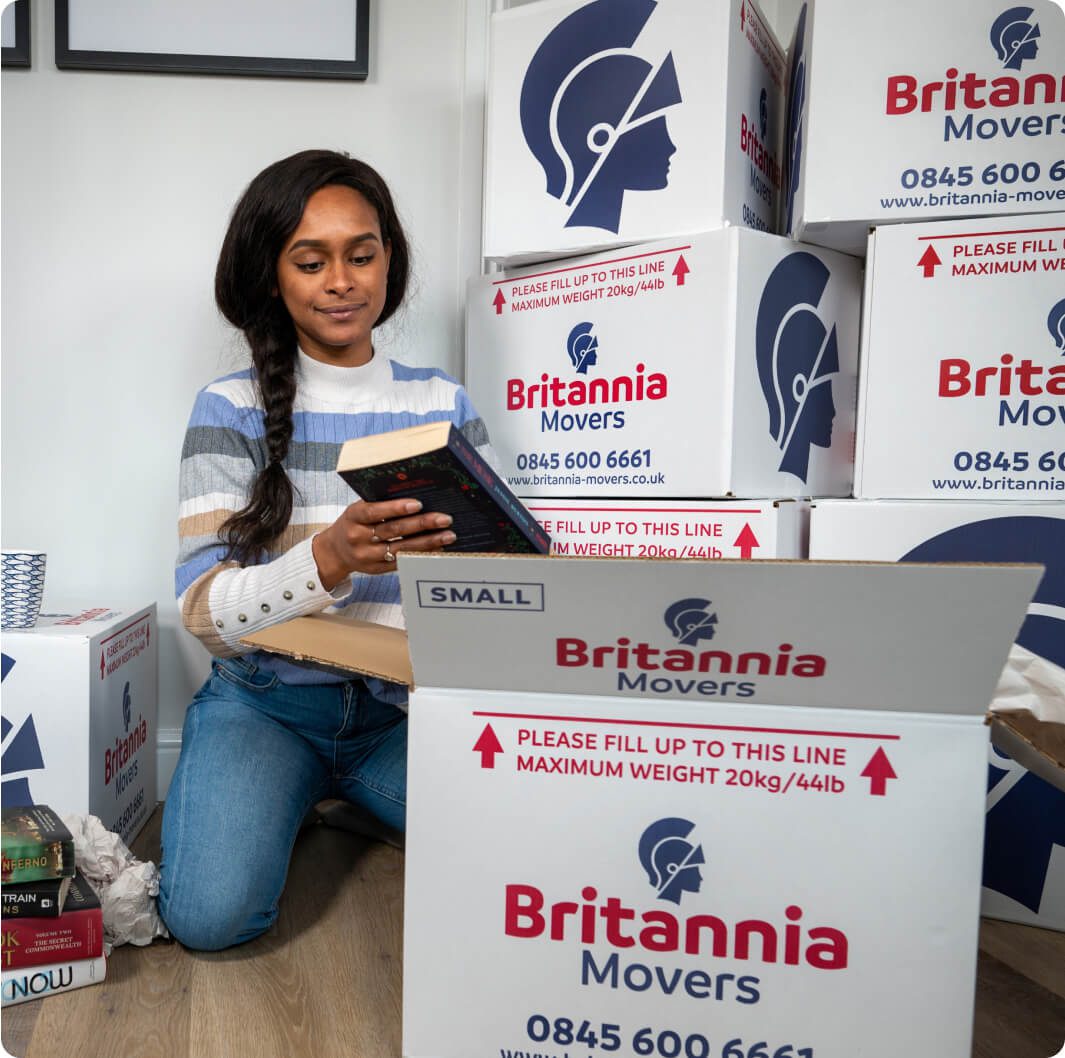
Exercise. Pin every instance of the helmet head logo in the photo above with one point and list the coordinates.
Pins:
(1014, 38)
(582, 347)
(593, 111)
(797, 359)
(691, 620)
(671, 860)
(1056, 325)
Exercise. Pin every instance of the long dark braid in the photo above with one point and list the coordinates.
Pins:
(246, 293)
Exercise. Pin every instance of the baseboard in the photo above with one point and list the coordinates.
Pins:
(168, 749)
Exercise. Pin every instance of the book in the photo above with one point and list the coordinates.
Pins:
(434, 463)
(78, 933)
(32, 982)
(34, 843)
(42, 898)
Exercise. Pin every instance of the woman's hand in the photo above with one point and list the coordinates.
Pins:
(367, 537)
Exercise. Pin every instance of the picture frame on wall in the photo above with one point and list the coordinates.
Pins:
(16, 34)
(264, 38)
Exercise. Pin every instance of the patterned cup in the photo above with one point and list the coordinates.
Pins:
(21, 588)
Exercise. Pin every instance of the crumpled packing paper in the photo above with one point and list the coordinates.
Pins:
(127, 887)
(1033, 683)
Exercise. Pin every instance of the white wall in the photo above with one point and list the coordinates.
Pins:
(116, 189)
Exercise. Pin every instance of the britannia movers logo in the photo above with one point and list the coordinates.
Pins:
(961, 96)
(797, 356)
(1013, 382)
(593, 111)
(553, 396)
(672, 860)
(679, 670)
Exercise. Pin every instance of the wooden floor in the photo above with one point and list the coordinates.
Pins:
(325, 981)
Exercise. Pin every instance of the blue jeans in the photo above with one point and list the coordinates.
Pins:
(256, 755)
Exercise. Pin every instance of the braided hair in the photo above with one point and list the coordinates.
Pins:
(267, 214)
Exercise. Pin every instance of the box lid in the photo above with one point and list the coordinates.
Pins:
(902, 637)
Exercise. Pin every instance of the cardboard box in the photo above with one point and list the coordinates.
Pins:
(80, 704)
(611, 123)
(961, 119)
(677, 529)
(720, 365)
(962, 377)
(1024, 860)
(607, 839)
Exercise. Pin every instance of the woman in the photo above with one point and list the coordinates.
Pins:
(314, 258)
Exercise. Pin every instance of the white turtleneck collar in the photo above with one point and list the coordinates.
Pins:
(332, 382)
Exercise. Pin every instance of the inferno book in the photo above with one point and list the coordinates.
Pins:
(436, 464)
(35, 844)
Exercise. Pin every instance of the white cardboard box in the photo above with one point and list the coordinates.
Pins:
(674, 529)
(1024, 864)
(615, 122)
(723, 364)
(962, 378)
(80, 703)
(603, 839)
(962, 118)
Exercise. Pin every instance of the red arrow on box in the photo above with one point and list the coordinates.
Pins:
(499, 301)
(681, 270)
(878, 771)
(929, 261)
(746, 541)
(488, 746)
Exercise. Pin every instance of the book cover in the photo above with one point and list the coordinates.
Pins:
(18, 986)
(434, 463)
(42, 898)
(78, 933)
(34, 843)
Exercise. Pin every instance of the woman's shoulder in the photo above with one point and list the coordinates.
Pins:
(408, 373)
(227, 399)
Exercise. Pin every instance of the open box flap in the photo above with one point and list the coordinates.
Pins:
(339, 642)
(902, 637)
(1037, 744)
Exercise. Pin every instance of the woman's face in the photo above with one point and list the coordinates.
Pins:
(332, 275)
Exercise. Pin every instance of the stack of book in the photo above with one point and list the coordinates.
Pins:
(52, 936)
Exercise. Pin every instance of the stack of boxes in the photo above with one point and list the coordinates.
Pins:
(665, 373)
(667, 344)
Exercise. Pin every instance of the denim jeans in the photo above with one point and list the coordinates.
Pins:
(256, 755)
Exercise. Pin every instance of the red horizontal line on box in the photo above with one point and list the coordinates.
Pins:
(597, 264)
(985, 234)
(700, 727)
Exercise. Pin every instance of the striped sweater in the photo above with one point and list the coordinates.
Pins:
(225, 449)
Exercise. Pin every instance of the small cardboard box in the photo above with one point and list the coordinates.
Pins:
(611, 123)
(80, 703)
(674, 529)
(702, 805)
(1024, 855)
(885, 124)
(724, 364)
(962, 376)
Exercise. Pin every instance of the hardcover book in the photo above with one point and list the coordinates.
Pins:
(434, 463)
(78, 933)
(42, 898)
(32, 982)
(35, 843)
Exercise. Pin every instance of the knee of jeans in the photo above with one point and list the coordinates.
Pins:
(208, 918)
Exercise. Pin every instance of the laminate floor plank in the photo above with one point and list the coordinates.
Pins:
(326, 980)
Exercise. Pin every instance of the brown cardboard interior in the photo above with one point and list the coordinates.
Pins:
(361, 647)
(1038, 745)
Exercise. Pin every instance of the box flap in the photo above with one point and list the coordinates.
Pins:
(901, 637)
(1037, 744)
(355, 646)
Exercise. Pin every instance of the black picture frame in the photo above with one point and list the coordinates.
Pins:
(70, 57)
(18, 54)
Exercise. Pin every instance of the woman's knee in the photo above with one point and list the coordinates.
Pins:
(209, 917)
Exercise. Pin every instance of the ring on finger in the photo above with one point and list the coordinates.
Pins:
(374, 538)
(389, 557)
